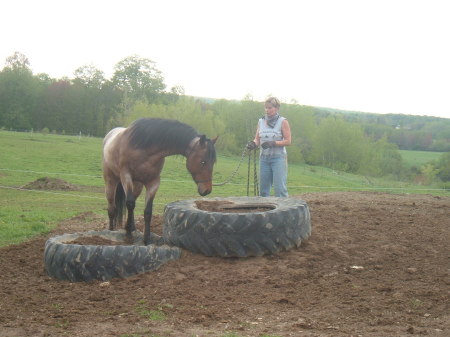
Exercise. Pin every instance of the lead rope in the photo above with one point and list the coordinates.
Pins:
(248, 172)
(255, 175)
(235, 171)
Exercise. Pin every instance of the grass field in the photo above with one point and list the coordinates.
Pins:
(26, 157)
(418, 158)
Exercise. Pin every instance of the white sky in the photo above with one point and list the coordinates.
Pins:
(383, 56)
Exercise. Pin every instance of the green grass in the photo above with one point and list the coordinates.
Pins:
(26, 157)
(418, 158)
(157, 314)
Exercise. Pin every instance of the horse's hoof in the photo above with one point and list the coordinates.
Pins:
(130, 231)
(154, 239)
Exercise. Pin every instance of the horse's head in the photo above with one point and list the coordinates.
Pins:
(200, 162)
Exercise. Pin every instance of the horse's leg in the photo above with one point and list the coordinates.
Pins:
(112, 209)
(131, 203)
(131, 198)
(110, 191)
(132, 191)
(147, 219)
(151, 188)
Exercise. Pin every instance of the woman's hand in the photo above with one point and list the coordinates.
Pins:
(268, 144)
(251, 145)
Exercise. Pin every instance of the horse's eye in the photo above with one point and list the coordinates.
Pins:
(203, 162)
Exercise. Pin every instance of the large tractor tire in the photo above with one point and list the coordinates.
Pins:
(232, 231)
(66, 260)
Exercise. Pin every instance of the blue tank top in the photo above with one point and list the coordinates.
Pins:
(266, 133)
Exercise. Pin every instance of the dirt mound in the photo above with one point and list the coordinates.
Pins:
(375, 265)
(47, 183)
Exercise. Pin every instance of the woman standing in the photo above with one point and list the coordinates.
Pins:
(273, 134)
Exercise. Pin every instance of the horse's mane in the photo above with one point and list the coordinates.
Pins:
(211, 153)
(170, 133)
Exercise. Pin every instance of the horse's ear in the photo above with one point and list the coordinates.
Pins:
(202, 140)
(214, 140)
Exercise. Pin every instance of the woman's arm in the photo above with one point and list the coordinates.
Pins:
(286, 130)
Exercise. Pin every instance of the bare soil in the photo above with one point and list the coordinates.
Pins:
(375, 265)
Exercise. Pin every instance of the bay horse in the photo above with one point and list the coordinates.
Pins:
(133, 157)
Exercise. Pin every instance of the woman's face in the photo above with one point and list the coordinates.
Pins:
(270, 110)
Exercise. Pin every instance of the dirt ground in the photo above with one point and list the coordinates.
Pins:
(375, 265)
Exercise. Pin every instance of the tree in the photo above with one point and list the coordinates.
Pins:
(303, 127)
(18, 62)
(239, 122)
(339, 145)
(383, 159)
(443, 167)
(138, 78)
(89, 76)
(429, 171)
(55, 112)
(18, 93)
(177, 90)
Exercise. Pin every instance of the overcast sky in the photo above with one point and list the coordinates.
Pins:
(382, 56)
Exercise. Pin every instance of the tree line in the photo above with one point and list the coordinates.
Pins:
(424, 133)
(89, 103)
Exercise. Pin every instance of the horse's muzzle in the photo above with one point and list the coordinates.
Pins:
(204, 188)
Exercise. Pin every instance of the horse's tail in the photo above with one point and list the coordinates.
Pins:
(120, 205)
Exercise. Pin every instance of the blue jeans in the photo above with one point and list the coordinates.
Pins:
(273, 171)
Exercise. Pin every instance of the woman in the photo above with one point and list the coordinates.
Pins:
(273, 134)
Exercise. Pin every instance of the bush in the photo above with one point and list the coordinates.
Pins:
(443, 167)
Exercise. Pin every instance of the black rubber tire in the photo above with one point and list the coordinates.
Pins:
(74, 262)
(238, 234)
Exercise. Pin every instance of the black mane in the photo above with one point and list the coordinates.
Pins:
(169, 133)
(211, 153)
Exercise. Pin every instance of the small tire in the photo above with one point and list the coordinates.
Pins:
(75, 262)
(225, 234)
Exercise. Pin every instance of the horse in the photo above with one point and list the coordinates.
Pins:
(133, 157)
